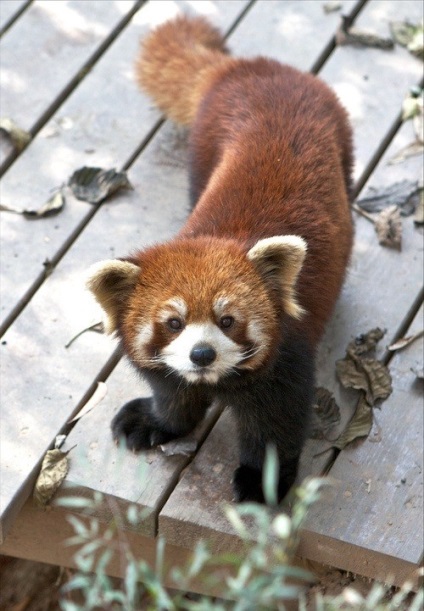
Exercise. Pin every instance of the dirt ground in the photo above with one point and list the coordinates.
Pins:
(32, 586)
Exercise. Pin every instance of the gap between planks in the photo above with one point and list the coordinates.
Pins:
(73, 83)
(14, 17)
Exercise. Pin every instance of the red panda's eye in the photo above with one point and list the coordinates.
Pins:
(226, 322)
(174, 324)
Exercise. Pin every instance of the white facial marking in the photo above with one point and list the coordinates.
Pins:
(177, 353)
(176, 305)
(144, 336)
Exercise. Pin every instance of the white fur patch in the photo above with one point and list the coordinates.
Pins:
(176, 354)
(144, 336)
(176, 305)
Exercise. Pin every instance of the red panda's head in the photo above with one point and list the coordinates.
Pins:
(202, 307)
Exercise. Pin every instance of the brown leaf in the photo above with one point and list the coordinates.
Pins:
(419, 211)
(359, 426)
(388, 226)
(408, 35)
(94, 185)
(331, 6)
(347, 35)
(326, 414)
(18, 136)
(366, 342)
(53, 471)
(368, 375)
(53, 206)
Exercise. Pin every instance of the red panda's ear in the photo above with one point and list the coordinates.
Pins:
(112, 282)
(279, 260)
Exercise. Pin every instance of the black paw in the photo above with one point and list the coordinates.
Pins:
(135, 424)
(247, 482)
(247, 485)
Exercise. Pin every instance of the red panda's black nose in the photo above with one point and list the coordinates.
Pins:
(202, 355)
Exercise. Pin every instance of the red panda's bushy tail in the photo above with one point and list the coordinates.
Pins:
(177, 62)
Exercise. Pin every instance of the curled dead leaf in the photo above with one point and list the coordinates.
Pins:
(419, 210)
(348, 35)
(331, 6)
(326, 414)
(94, 185)
(404, 194)
(409, 35)
(18, 136)
(388, 226)
(53, 471)
(359, 426)
(53, 206)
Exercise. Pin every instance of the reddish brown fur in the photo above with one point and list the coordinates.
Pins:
(270, 155)
(270, 167)
(166, 272)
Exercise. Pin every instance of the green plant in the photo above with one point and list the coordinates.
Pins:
(261, 577)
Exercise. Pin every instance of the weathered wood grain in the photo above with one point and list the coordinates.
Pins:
(37, 403)
(35, 69)
(9, 9)
(101, 124)
(376, 503)
(146, 478)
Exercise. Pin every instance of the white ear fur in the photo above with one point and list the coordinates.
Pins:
(279, 260)
(111, 282)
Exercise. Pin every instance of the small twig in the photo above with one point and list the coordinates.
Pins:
(98, 328)
(363, 213)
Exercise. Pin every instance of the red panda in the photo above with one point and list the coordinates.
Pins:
(233, 307)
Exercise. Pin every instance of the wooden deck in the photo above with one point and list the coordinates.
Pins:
(67, 69)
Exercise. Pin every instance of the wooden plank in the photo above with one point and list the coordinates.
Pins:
(100, 124)
(56, 379)
(376, 503)
(146, 478)
(67, 35)
(9, 10)
(162, 219)
(380, 287)
(287, 30)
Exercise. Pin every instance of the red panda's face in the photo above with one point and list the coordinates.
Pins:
(201, 309)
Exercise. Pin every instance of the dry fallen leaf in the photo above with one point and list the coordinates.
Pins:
(18, 136)
(419, 210)
(53, 471)
(358, 370)
(326, 414)
(347, 35)
(53, 206)
(404, 194)
(410, 36)
(359, 426)
(94, 185)
(388, 226)
(331, 6)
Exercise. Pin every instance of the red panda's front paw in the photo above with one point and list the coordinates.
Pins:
(135, 425)
(247, 485)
